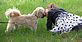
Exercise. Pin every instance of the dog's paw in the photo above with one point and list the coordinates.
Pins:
(6, 31)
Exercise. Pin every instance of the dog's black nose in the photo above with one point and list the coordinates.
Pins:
(43, 16)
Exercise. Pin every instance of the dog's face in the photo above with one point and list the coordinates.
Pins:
(40, 12)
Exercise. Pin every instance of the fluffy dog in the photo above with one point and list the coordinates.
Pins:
(16, 19)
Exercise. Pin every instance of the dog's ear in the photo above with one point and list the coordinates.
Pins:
(39, 13)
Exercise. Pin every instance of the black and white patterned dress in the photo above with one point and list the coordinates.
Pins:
(65, 22)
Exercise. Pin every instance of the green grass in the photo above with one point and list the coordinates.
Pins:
(41, 35)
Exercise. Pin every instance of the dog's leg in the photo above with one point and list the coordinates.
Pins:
(10, 27)
(16, 27)
(34, 26)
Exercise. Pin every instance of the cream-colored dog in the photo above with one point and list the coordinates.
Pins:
(16, 19)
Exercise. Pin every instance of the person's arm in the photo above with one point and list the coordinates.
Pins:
(49, 20)
(49, 24)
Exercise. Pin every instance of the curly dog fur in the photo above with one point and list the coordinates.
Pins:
(16, 19)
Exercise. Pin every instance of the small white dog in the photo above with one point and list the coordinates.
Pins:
(30, 20)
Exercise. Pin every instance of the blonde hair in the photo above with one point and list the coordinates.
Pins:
(51, 6)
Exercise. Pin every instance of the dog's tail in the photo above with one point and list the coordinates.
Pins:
(12, 12)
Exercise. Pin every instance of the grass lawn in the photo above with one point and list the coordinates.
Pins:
(41, 35)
